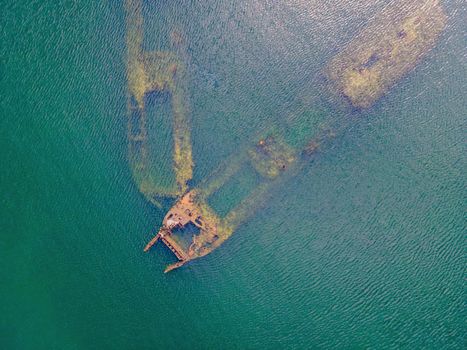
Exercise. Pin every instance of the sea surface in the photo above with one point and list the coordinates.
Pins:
(363, 249)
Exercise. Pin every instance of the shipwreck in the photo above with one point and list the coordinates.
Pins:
(380, 55)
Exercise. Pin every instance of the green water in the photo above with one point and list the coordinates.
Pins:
(365, 248)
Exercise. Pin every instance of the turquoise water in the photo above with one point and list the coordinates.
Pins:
(365, 248)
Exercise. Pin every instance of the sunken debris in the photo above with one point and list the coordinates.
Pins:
(387, 49)
(149, 71)
(379, 56)
(270, 157)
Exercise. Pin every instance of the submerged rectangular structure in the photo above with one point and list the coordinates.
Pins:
(162, 72)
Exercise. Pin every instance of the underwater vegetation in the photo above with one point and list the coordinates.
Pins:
(148, 72)
(387, 49)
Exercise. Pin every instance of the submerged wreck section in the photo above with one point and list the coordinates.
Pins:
(388, 48)
(378, 57)
(189, 210)
(272, 159)
(155, 71)
(269, 157)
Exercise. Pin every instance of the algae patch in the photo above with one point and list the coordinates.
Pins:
(387, 49)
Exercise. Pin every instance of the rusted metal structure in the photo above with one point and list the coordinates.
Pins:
(273, 161)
